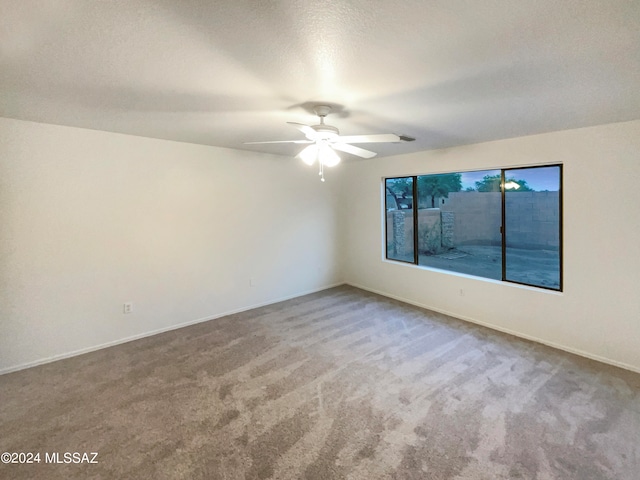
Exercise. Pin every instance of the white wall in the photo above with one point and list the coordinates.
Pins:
(598, 314)
(90, 220)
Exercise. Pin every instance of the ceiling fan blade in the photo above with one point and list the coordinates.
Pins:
(309, 132)
(381, 138)
(278, 141)
(360, 152)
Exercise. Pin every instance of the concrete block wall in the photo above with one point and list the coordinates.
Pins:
(429, 230)
(532, 220)
(435, 231)
(474, 218)
(477, 217)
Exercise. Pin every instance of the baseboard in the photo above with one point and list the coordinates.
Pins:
(557, 346)
(82, 351)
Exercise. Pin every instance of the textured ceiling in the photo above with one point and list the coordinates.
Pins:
(226, 72)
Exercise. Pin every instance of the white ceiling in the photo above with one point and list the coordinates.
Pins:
(224, 72)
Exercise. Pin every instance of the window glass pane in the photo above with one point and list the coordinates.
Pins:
(532, 226)
(459, 217)
(399, 218)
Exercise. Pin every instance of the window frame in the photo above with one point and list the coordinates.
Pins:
(503, 231)
(414, 191)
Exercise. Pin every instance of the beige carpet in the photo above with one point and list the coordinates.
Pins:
(338, 384)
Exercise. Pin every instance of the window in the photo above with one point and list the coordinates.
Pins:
(532, 213)
(399, 207)
(500, 224)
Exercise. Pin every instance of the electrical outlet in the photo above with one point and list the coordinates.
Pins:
(127, 307)
(462, 292)
(253, 282)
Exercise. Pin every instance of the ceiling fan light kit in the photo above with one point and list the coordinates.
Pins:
(320, 151)
(325, 139)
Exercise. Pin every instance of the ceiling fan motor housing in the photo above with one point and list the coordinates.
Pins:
(325, 132)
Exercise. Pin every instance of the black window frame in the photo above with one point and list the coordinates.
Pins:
(503, 231)
(414, 193)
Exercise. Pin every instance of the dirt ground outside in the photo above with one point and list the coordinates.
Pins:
(533, 267)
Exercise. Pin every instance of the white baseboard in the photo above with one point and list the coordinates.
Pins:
(93, 348)
(558, 346)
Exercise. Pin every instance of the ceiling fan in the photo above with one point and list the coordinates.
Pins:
(323, 140)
